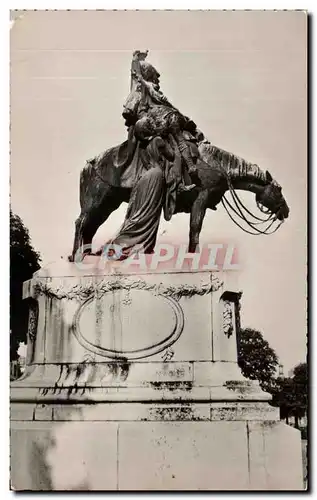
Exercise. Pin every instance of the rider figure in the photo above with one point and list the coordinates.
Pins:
(157, 116)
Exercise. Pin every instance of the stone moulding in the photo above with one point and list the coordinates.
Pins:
(148, 411)
(145, 352)
(83, 291)
(228, 319)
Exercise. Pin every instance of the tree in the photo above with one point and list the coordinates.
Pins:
(257, 360)
(291, 394)
(283, 395)
(24, 261)
(300, 379)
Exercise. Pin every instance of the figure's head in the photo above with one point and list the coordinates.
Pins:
(271, 198)
(144, 128)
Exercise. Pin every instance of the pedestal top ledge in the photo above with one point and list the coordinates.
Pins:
(95, 269)
(95, 266)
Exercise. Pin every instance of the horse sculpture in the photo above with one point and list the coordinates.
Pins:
(154, 178)
(104, 186)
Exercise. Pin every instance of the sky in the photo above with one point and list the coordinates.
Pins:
(240, 75)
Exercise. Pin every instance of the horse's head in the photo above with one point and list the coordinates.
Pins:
(271, 197)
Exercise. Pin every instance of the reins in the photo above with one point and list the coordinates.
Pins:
(238, 210)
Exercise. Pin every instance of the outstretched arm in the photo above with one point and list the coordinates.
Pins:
(156, 95)
(135, 65)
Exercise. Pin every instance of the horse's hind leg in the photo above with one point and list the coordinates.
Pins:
(92, 193)
(89, 221)
(86, 227)
(78, 238)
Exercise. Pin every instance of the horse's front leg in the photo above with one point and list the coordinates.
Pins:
(196, 220)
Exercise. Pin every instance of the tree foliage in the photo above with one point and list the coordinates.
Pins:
(24, 261)
(300, 380)
(291, 394)
(258, 361)
(256, 358)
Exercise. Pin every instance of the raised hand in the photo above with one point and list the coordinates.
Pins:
(141, 56)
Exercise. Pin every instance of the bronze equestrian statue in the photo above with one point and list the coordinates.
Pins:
(166, 165)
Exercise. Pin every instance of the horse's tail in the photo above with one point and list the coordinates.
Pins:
(87, 176)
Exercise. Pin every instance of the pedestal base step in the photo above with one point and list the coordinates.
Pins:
(180, 455)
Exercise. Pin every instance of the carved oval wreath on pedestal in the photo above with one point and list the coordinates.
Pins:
(128, 325)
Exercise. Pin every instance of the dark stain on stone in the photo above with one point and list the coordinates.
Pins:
(120, 368)
(40, 471)
(125, 368)
(269, 424)
(172, 386)
(80, 369)
(61, 369)
(235, 385)
(170, 413)
(72, 389)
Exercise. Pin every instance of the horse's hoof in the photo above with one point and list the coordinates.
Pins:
(70, 258)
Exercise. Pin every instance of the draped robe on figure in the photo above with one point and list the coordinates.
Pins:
(148, 198)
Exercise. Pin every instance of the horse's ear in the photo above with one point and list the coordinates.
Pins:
(269, 178)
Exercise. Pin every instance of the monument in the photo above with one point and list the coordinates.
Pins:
(132, 380)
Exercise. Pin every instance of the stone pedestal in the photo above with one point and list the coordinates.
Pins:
(132, 383)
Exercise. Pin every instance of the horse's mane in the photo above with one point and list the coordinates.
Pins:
(235, 166)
